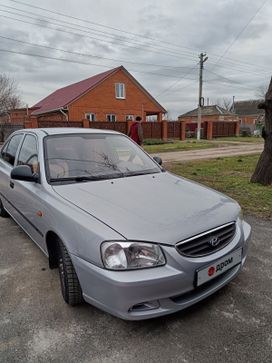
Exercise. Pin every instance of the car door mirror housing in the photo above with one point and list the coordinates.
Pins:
(24, 173)
(158, 160)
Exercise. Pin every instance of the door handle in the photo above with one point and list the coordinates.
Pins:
(11, 184)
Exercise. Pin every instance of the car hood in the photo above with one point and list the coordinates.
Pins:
(160, 207)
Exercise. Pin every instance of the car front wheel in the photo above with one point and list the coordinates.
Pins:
(70, 286)
(3, 212)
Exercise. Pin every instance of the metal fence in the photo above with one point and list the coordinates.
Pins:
(174, 129)
(151, 130)
(45, 123)
(224, 129)
(117, 126)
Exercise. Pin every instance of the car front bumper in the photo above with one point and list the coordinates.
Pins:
(149, 293)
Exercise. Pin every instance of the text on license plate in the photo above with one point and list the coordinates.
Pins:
(218, 267)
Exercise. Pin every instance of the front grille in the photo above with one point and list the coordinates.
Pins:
(208, 242)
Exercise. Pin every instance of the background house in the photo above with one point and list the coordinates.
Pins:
(248, 112)
(209, 113)
(110, 96)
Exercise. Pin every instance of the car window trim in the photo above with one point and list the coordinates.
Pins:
(20, 148)
(19, 145)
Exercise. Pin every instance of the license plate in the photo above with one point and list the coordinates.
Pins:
(218, 267)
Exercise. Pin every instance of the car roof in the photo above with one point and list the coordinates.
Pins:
(68, 130)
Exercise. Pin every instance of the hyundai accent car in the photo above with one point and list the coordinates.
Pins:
(126, 235)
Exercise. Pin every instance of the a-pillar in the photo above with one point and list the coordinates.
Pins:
(209, 130)
(164, 130)
(182, 130)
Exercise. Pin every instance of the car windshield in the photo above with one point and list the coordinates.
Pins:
(83, 157)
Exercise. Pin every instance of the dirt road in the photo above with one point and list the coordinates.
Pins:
(233, 150)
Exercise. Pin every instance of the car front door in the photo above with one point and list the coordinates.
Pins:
(26, 197)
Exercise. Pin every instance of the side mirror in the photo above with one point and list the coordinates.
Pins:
(24, 173)
(158, 160)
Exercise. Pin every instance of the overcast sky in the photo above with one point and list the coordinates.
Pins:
(157, 41)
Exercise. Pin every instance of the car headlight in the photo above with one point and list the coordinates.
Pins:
(131, 255)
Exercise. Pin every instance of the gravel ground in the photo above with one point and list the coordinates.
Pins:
(231, 150)
(234, 325)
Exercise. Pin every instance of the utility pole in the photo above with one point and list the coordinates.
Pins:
(203, 58)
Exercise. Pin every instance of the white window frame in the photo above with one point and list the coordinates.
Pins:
(129, 117)
(92, 116)
(111, 116)
(120, 91)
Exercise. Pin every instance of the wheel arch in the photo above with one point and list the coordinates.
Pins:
(52, 243)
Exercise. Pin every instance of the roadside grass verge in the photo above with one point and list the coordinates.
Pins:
(230, 175)
(249, 139)
(179, 146)
(159, 146)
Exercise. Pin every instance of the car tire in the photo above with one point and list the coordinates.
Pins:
(70, 286)
(3, 212)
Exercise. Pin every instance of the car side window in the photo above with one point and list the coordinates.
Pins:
(28, 154)
(9, 151)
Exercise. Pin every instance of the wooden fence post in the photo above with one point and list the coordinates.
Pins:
(210, 130)
(183, 130)
(28, 124)
(164, 130)
(85, 123)
(237, 128)
(34, 123)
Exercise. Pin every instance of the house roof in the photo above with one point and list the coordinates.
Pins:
(66, 95)
(209, 111)
(249, 107)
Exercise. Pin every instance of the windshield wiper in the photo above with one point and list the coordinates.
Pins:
(143, 172)
(78, 179)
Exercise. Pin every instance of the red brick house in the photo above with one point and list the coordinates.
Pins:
(248, 112)
(114, 95)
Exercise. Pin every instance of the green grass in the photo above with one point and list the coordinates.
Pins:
(179, 146)
(231, 176)
(158, 146)
(250, 139)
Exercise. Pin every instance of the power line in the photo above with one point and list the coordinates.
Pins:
(88, 55)
(241, 31)
(127, 32)
(225, 79)
(177, 81)
(83, 35)
(78, 62)
(149, 49)
(97, 24)
(239, 70)
(77, 27)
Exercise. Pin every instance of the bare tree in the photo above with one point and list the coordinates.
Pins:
(261, 91)
(263, 171)
(225, 103)
(9, 99)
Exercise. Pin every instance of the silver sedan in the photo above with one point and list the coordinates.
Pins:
(126, 235)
